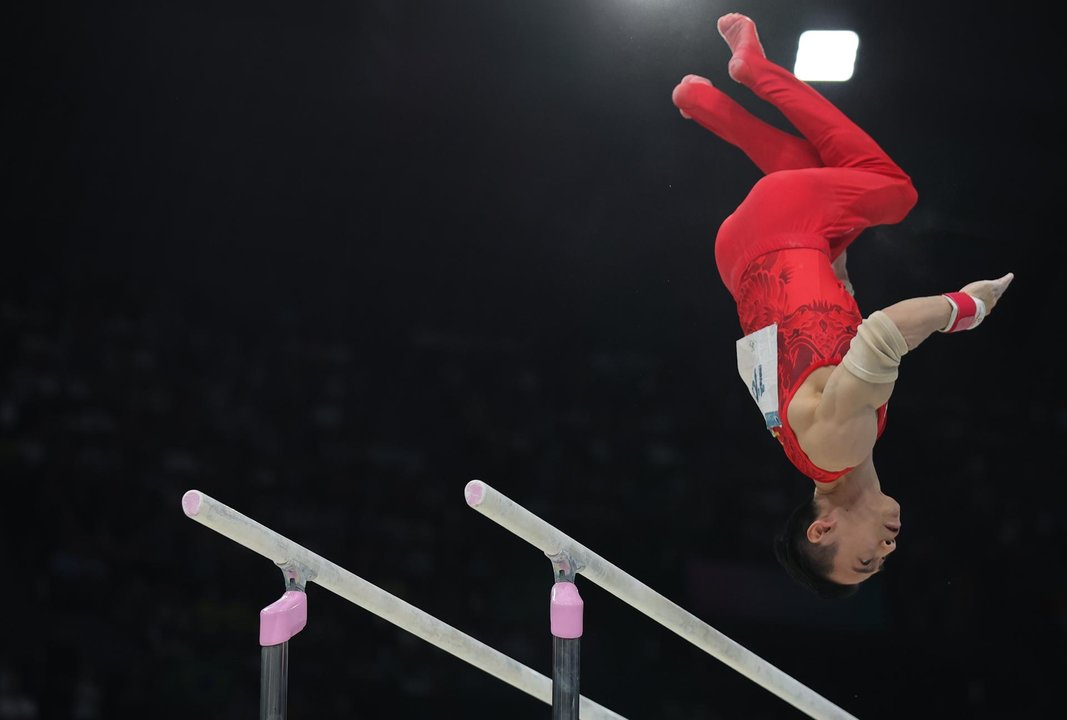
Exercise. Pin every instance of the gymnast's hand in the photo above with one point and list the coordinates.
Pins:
(989, 291)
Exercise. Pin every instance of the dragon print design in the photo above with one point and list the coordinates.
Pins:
(817, 319)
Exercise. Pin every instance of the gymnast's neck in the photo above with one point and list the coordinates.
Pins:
(860, 480)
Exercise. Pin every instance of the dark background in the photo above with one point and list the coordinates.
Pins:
(327, 262)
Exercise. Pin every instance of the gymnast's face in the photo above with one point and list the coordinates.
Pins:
(864, 538)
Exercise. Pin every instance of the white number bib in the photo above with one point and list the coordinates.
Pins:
(757, 363)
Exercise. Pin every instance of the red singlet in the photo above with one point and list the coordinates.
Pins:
(817, 318)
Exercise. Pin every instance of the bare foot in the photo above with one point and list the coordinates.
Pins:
(740, 34)
(677, 95)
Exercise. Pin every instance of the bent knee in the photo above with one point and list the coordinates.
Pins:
(906, 197)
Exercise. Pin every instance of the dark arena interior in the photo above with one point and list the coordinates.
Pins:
(327, 263)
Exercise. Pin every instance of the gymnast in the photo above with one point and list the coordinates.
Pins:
(821, 372)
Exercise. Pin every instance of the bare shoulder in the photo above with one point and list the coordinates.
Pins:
(834, 422)
(806, 399)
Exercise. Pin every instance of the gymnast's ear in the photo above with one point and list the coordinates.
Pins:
(820, 529)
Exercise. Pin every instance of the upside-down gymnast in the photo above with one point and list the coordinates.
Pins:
(782, 255)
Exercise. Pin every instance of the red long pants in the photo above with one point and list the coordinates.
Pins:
(819, 191)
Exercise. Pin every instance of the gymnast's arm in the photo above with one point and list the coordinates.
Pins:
(845, 424)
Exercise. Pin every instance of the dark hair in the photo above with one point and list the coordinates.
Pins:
(807, 563)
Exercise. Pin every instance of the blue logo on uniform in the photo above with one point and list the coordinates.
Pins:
(758, 388)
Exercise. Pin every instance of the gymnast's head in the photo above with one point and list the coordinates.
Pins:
(837, 539)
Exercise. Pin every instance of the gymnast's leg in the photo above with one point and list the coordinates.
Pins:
(768, 147)
(860, 186)
(838, 140)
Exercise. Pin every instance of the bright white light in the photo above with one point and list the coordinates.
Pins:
(828, 55)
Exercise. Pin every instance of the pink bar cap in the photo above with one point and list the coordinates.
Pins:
(566, 611)
(283, 618)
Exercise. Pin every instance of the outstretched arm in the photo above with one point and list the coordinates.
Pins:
(845, 428)
(919, 318)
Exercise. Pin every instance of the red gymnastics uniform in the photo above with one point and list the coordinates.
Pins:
(774, 252)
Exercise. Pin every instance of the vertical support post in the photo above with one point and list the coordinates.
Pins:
(278, 623)
(566, 615)
(274, 682)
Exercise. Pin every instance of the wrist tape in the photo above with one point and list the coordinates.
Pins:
(967, 312)
(875, 352)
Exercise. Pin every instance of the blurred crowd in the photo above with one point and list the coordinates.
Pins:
(113, 404)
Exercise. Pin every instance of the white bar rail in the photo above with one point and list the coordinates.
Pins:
(520, 521)
(258, 538)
